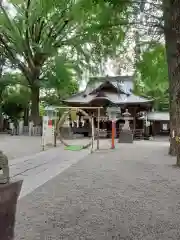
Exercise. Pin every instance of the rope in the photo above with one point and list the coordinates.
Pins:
(61, 122)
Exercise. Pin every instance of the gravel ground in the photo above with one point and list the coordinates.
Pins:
(131, 193)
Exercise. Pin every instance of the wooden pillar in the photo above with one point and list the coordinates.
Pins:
(153, 128)
(98, 119)
(134, 122)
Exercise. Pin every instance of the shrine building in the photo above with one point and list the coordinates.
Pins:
(115, 92)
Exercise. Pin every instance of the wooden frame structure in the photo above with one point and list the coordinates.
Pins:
(76, 108)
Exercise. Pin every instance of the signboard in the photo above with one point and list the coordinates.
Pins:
(50, 122)
(48, 131)
(165, 127)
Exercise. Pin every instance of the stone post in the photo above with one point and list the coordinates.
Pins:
(21, 126)
(9, 192)
(30, 128)
(11, 125)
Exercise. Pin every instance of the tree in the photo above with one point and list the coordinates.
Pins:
(60, 81)
(6, 81)
(15, 100)
(41, 29)
(171, 16)
(161, 20)
(152, 76)
(166, 20)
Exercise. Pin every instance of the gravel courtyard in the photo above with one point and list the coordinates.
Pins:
(131, 193)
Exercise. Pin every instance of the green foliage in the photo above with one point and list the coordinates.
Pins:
(42, 27)
(80, 32)
(8, 80)
(59, 81)
(152, 76)
(41, 110)
(15, 100)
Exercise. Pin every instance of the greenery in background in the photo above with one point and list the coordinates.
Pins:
(152, 76)
(51, 42)
(15, 100)
(60, 82)
(79, 31)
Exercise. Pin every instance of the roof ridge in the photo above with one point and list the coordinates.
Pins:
(112, 77)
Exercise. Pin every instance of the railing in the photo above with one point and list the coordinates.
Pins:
(68, 132)
(34, 131)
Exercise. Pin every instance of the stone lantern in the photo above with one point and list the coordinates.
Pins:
(126, 135)
(113, 112)
(9, 193)
(50, 112)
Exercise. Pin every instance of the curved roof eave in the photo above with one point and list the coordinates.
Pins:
(120, 102)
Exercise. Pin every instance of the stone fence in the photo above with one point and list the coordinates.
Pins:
(25, 130)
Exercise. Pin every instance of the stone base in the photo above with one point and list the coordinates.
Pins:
(126, 137)
(9, 194)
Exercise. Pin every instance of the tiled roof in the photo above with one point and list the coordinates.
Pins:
(124, 85)
(111, 78)
(112, 97)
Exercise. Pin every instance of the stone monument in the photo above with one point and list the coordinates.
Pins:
(126, 135)
(9, 192)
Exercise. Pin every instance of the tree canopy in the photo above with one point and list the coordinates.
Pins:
(80, 31)
(152, 76)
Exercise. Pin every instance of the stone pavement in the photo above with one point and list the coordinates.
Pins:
(131, 193)
(20, 146)
(36, 169)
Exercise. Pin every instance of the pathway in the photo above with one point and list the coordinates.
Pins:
(38, 168)
(19, 146)
(131, 193)
(23, 146)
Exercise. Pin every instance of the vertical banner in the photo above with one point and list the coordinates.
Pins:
(45, 126)
(48, 132)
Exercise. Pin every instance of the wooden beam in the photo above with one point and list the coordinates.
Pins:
(78, 107)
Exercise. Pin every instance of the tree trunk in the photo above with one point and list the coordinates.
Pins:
(35, 90)
(2, 63)
(26, 116)
(1, 120)
(178, 129)
(172, 112)
(172, 39)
